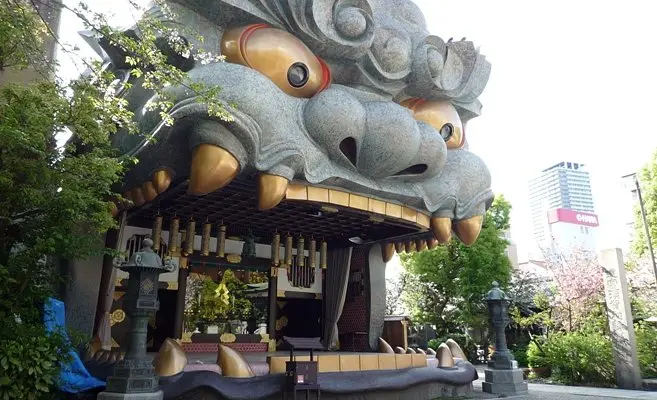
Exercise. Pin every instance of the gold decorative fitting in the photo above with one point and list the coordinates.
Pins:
(273, 272)
(227, 338)
(280, 293)
(172, 285)
(183, 262)
(234, 258)
(264, 338)
(187, 337)
(117, 317)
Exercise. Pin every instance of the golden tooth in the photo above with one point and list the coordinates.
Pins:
(170, 360)
(420, 245)
(104, 357)
(400, 350)
(137, 196)
(387, 251)
(271, 190)
(113, 209)
(455, 349)
(442, 229)
(161, 180)
(468, 230)
(212, 168)
(420, 351)
(149, 192)
(232, 364)
(384, 347)
(431, 351)
(432, 243)
(399, 247)
(410, 351)
(444, 356)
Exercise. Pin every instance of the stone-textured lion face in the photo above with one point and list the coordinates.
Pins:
(348, 95)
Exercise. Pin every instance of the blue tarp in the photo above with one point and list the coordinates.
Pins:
(74, 377)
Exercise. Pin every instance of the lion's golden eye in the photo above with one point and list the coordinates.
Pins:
(442, 116)
(280, 56)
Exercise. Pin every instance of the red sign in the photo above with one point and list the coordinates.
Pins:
(572, 217)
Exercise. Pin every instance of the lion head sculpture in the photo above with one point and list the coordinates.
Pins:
(348, 94)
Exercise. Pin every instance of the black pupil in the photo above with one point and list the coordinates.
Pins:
(447, 131)
(297, 75)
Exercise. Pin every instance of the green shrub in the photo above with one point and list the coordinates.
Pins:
(580, 358)
(535, 356)
(646, 339)
(30, 364)
(519, 352)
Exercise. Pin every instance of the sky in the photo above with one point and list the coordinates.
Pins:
(571, 80)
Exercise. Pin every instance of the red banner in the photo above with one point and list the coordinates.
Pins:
(572, 217)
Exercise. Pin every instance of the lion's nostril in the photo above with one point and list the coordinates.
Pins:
(349, 148)
(416, 169)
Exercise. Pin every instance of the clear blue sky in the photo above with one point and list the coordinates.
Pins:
(571, 80)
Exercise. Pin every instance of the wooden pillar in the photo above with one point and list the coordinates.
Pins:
(179, 316)
(273, 292)
(102, 327)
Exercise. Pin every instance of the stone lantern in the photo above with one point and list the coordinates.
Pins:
(502, 374)
(498, 311)
(134, 377)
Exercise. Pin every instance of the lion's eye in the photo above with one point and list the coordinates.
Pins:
(442, 116)
(280, 56)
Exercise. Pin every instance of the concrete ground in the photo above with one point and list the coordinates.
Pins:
(559, 392)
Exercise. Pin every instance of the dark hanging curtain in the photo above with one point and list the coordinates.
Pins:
(337, 278)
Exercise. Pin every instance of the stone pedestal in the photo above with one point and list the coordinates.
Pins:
(621, 326)
(505, 382)
(130, 396)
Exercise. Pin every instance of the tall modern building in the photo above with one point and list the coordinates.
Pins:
(561, 205)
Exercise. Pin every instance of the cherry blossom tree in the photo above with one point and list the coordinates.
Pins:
(577, 284)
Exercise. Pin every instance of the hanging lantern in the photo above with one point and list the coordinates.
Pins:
(276, 250)
(323, 257)
(205, 239)
(173, 235)
(189, 239)
(288, 250)
(301, 252)
(221, 242)
(156, 234)
(312, 253)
